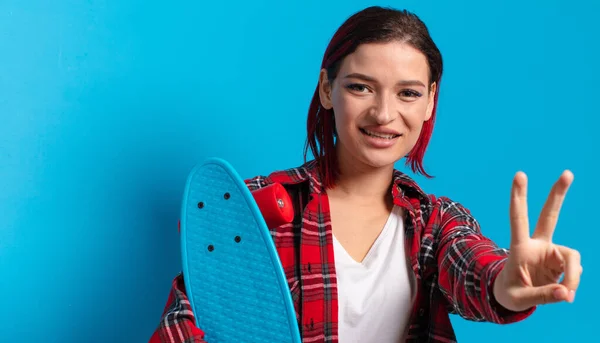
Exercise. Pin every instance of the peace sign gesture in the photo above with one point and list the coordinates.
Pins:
(535, 264)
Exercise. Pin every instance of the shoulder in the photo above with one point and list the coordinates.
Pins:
(445, 210)
(435, 209)
(285, 177)
(446, 220)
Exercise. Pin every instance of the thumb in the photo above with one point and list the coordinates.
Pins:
(548, 294)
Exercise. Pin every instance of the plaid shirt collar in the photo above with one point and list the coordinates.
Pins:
(404, 186)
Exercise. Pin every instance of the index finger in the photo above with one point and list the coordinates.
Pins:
(519, 221)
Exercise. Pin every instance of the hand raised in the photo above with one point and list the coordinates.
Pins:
(532, 272)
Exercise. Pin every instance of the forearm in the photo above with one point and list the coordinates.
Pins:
(468, 265)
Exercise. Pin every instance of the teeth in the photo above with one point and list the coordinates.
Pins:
(379, 135)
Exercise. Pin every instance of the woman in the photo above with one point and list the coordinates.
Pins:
(370, 257)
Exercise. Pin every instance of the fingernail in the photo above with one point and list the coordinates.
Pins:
(571, 296)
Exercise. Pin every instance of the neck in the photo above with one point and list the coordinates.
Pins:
(363, 182)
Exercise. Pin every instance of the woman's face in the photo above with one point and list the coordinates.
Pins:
(380, 99)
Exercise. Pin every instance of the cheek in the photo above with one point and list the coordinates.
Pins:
(347, 111)
(415, 115)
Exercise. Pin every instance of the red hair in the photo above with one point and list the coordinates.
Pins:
(374, 24)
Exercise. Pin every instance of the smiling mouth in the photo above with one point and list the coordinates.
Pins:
(379, 135)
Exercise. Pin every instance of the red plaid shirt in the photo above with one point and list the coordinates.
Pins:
(454, 264)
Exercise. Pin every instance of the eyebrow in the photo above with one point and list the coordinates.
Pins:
(370, 79)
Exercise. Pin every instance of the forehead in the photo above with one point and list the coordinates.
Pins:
(387, 62)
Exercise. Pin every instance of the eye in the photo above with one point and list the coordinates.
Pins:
(357, 87)
(409, 93)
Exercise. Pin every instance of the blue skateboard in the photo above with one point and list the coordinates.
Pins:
(232, 272)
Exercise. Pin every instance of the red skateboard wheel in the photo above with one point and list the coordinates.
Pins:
(275, 205)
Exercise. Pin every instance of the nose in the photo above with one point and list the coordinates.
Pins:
(383, 111)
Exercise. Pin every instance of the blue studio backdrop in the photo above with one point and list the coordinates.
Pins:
(106, 105)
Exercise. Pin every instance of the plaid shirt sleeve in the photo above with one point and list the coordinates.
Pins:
(468, 265)
(177, 324)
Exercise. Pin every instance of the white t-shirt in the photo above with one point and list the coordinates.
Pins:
(375, 297)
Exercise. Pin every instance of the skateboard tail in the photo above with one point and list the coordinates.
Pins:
(232, 272)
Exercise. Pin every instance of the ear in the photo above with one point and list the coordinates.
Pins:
(325, 90)
(431, 102)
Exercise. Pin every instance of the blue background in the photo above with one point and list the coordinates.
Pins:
(105, 106)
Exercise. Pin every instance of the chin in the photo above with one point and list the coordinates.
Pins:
(371, 157)
(380, 159)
